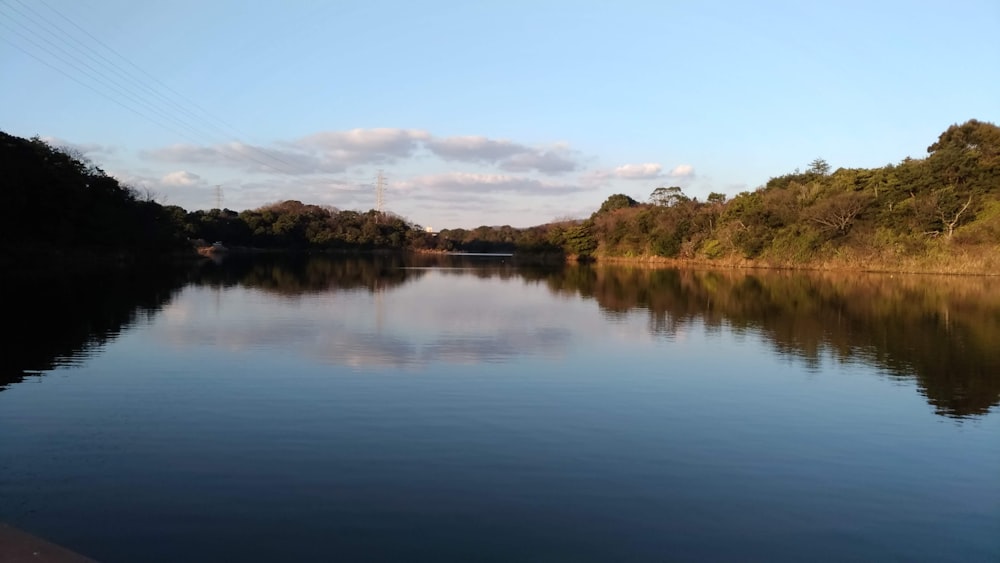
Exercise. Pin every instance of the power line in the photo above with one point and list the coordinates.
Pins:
(231, 156)
(89, 87)
(112, 85)
(127, 91)
(100, 59)
(89, 67)
(123, 58)
(92, 54)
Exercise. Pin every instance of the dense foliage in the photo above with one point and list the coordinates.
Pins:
(941, 212)
(57, 203)
(946, 203)
(293, 225)
(55, 200)
(942, 209)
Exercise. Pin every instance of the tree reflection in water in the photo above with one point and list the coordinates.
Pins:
(941, 331)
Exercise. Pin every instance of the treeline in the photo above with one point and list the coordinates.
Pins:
(938, 212)
(941, 212)
(54, 200)
(60, 205)
(941, 206)
(293, 225)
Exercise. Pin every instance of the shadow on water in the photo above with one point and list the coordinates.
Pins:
(65, 319)
(941, 332)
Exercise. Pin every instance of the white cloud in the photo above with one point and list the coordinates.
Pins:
(486, 183)
(180, 178)
(682, 170)
(650, 170)
(508, 155)
(331, 152)
(546, 162)
(359, 146)
(321, 153)
(474, 148)
(271, 160)
(639, 171)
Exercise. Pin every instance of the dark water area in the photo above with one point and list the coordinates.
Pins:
(457, 408)
(59, 319)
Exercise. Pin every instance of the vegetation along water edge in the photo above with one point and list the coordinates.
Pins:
(936, 214)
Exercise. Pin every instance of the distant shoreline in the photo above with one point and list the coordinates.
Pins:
(72, 261)
(983, 265)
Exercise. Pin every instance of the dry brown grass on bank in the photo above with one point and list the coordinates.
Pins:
(978, 261)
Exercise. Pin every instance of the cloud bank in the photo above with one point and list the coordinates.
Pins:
(339, 151)
(440, 180)
(505, 154)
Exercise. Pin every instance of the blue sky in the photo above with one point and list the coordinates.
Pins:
(488, 112)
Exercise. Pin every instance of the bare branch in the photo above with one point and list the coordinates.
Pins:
(838, 213)
(954, 220)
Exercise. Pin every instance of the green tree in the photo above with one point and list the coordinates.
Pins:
(818, 167)
(579, 240)
(667, 197)
(715, 198)
(615, 202)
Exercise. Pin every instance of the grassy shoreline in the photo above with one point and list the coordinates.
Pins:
(985, 263)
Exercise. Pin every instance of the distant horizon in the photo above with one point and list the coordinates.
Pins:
(489, 114)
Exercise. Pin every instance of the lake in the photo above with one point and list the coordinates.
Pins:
(476, 408)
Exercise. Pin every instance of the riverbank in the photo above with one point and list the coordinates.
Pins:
(17, 546)
(981, 261)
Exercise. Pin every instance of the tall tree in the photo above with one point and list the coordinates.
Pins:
(819, 167)
(667, 197)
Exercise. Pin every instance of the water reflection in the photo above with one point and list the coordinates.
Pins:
(299, 274)
(60, 321)
(364, 311)
(941, 331)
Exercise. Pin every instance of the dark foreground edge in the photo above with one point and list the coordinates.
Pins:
(21, 547)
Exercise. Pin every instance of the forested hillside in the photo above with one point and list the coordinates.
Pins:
(942, 209)
(60, 206)
(53, 200)
(938, 213)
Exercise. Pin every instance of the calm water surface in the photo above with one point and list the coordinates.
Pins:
(474, 409)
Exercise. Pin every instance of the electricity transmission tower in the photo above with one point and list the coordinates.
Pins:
(218, 197)
(379, 191)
